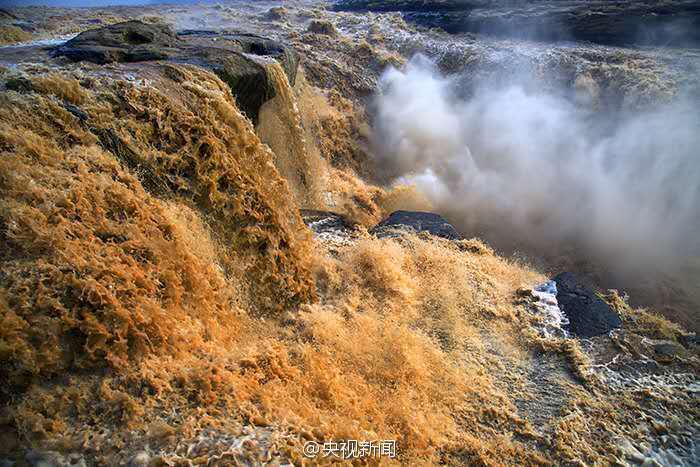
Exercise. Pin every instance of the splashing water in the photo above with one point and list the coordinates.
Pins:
(524, 167)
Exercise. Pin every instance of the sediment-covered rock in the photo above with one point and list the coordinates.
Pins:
(328, 226)
(415, 221)
(324, 221)
(588, 315)
(251, 45)
(131, 41)
(238, 59)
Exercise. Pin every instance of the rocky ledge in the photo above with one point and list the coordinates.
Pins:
(662, 23)
(415, 221)
(325, 224)
(238, 59)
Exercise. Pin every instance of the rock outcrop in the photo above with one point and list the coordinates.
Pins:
(415, 221)
(328, 226)
(588, 315)
(131, 41)
(646, 22)
(238, 59)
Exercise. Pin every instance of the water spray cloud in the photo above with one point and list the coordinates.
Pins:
(525, 168)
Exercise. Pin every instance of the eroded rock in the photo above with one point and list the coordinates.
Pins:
(588, 314)
(130, 41)
(238, 59)
(328, 226)
(415, 221)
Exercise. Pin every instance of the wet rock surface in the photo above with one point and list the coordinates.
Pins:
(328, 227)
(238, 59)
(588, 315)
(660, 375)
(131, 41)
(415, 221)
(614, 23)
(249, 44)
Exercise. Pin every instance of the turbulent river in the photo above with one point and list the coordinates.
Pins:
(162, 298)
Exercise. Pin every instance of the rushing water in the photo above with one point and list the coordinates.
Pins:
(440, 274)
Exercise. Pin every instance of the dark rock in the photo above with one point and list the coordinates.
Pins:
(256, 45)
(587, 313)
(249, 80)
(250, 44)
(233, 57)
(131, 41)
(646, 22)
(198, 32)
(524, 292)
(76, 111)
(417, 222)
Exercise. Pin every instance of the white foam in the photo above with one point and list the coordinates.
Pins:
(40, 42)
(554, 318)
